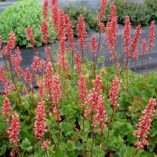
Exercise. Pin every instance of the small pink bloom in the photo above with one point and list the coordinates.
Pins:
(45, 144)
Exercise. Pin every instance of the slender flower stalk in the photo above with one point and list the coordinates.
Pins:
(114, 92)
(112, 32)
(30, 36)
(6, 107)
(151, 36)
(78, 63)
(14, 130)
(82, 34)
(144, 125)
(126, 40)
(40, 121)
(45, 10)
(56, 96)
(44, 28)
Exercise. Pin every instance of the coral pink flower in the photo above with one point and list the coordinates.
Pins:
(96, 102)
(44, 28)
(62, 62)
(61, 32)
(93, 45)
(28, 76)
(144, 125)
(134, 43)
(144, 46)
(16, 61)
(94, 94)
(101, 115)
(151, 36)
(14, 130)
(112, 31)
(82, 88)
(11, 42)
(40, 121)
(69, 28)
(113, 12)
(42, 65)
(45, 10)
(82, 34)
(30, 36)
(35, 64)
(56, 89)
(55, 13)
(126, 35)
(6, 107)
(45, 144)
(102, 10)
(114, 92)
(78, 62)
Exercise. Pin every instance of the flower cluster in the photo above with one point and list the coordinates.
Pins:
(78, 62)
(82, 88)
(96, 102)
(114, 92)
(151, 36)
(40, 121)
(30, 36)
(6, 107)
(144, 125)
(134, 43)
(11, 42)
(112, 31)
(56, 89)
(82, 34)
(102, 10)
(14, 130)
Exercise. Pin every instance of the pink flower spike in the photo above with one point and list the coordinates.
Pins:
(82, 88)
(151, 36)
(14, 130)
(144, 125)
(82, 34)
(40, 121)
(114, 92)
(6, 107)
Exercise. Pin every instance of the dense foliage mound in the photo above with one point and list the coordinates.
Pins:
(20, 15)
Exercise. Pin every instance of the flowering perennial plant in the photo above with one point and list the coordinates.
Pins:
(57, 107)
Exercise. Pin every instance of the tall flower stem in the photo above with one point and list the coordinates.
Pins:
(14, 82)
(108, 132)
(83, 134)
(92, 135)
(58, 123)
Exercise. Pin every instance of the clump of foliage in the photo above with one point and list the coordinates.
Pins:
(80, 108)
(20, 15)
(89, 17)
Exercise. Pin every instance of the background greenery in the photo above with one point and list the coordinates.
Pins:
(18, 16)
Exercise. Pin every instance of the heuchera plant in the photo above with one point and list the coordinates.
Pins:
(80, 108)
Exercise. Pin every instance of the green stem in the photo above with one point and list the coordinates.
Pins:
(14, 82)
